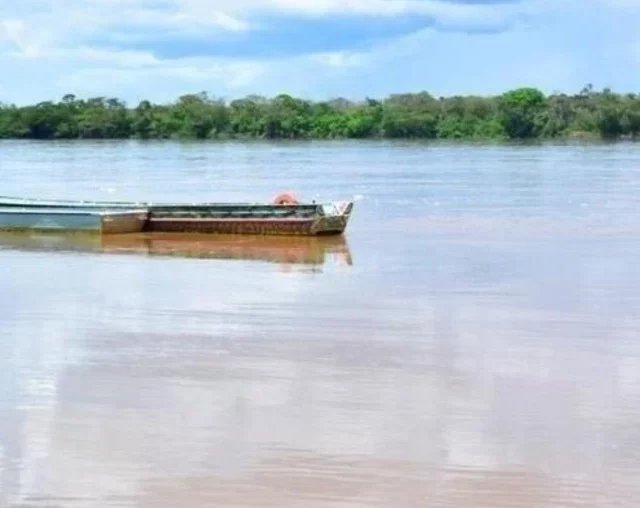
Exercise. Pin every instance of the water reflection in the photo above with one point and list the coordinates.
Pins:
(290, 250)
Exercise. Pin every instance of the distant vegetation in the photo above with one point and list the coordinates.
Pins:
(524, 113)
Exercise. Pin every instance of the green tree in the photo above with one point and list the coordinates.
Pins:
(609, 115)
(631, 109)
(520, 112)
(410, 116)
(248, 116)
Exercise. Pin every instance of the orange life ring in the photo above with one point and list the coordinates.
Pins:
(285, 198)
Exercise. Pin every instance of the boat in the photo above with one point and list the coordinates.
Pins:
(285, 215)
(283, 250)
(73, 220)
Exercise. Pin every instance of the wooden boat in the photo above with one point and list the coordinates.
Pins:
(72, 220)
(284, 216)
(287, 251)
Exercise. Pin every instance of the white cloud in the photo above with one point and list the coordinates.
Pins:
(186, 18)
(64, 22)
(66, 19)
(61, 31)
(102, 56)
(340, 59)
(22, 37)
(85, 55)
(180, 77)
(50, 42)
(445, 11)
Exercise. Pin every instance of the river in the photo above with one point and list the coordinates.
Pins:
(472, 340)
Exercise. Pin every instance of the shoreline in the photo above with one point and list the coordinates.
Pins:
(541, 142)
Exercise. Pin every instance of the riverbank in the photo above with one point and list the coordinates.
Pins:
(520, 114)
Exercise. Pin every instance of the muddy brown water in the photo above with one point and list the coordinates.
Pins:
(472, 341)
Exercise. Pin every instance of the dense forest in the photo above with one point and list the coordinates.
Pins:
(517, 114)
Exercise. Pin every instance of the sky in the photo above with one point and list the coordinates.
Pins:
(316, 49)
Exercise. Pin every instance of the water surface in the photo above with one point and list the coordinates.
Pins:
(472, 341)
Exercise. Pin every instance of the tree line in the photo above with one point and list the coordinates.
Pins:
(522, 113)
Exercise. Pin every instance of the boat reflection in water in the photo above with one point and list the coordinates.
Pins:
(285, 250)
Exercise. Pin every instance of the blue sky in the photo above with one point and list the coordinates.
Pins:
(160, 49)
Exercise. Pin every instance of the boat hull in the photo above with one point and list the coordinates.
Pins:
(293, 226)
(210, 218)
(256, 219)
(75, 220)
